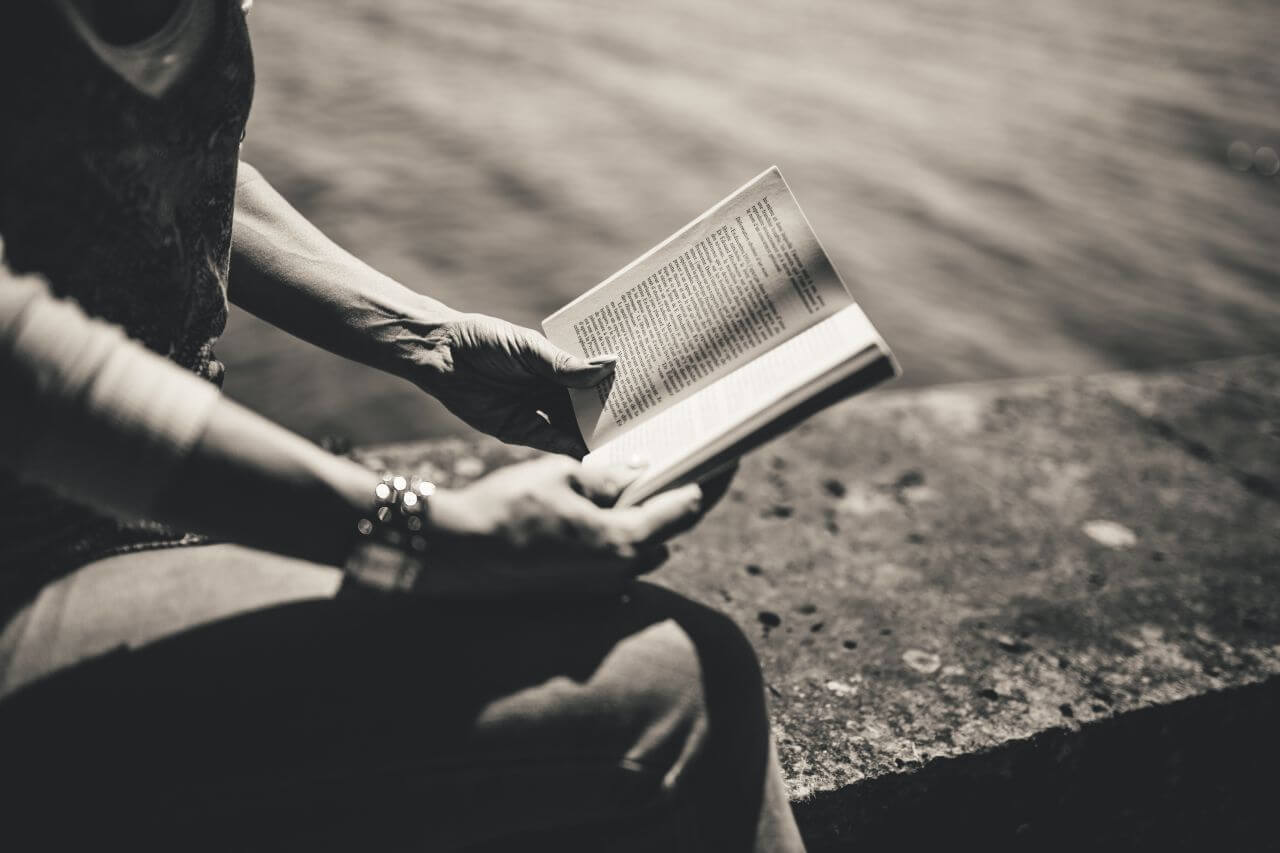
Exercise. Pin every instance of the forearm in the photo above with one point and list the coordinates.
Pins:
(250, 481)
(286, 271)
(106, 423)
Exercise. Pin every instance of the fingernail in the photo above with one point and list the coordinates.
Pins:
(690, 494)
(602, 360)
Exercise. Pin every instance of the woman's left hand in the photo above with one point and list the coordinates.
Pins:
(507, 381)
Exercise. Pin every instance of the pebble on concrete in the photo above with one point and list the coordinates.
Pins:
(1110, 533)
(921, 661)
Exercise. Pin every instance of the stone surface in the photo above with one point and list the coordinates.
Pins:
(935, 576)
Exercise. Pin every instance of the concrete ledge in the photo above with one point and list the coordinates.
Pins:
(982, 608)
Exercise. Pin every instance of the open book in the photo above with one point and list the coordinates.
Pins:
(727, 333)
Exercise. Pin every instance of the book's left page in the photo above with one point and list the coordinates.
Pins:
(739, 280)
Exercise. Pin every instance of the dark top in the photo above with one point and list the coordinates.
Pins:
(123, 201)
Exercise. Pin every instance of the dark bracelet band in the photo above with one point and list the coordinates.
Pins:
(390, 543)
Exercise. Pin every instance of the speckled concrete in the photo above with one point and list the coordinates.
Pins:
(930, 575)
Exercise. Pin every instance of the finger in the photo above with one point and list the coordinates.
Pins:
(532, 430)
(665, 514)
(564, 368)
(602, 484)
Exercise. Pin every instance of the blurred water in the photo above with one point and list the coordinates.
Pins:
(1009, 188)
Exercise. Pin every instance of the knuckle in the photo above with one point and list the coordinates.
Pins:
(622, 550)
(555, 464)
(565, 465)
(613, 542)
(629, 532)
(593, 533)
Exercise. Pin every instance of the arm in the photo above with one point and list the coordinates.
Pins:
(284, 270)
(494, 375)
(109, 424)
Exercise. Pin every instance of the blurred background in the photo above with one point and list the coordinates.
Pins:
(1031, 188)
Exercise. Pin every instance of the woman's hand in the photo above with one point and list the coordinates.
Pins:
(549, 525)
(493, 375)
(507, 381)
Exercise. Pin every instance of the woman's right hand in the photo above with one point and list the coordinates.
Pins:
(549, 525)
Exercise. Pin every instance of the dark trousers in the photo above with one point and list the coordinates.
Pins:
(219, 698)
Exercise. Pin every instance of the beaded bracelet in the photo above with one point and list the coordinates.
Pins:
(390, 544)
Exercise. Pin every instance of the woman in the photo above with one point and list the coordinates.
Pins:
(372, 662)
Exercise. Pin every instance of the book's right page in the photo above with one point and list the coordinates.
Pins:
(757, 400)
(739, 280)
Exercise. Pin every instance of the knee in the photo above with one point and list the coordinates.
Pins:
(694, 686)
(725, 658)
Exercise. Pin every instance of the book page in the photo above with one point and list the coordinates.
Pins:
(742, 400)
(739, 280)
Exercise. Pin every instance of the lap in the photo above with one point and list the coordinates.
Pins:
(131, 600)
(217, 679)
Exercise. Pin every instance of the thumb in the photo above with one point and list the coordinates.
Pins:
(565, 368)
(666, 513)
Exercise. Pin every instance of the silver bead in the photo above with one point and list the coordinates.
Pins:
(382, 491)
(399, 484)
(414, 523)
(365, 526)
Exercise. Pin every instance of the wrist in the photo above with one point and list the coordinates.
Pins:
(389, 543)
(414, 340)
(330, 520)
(454, 521)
